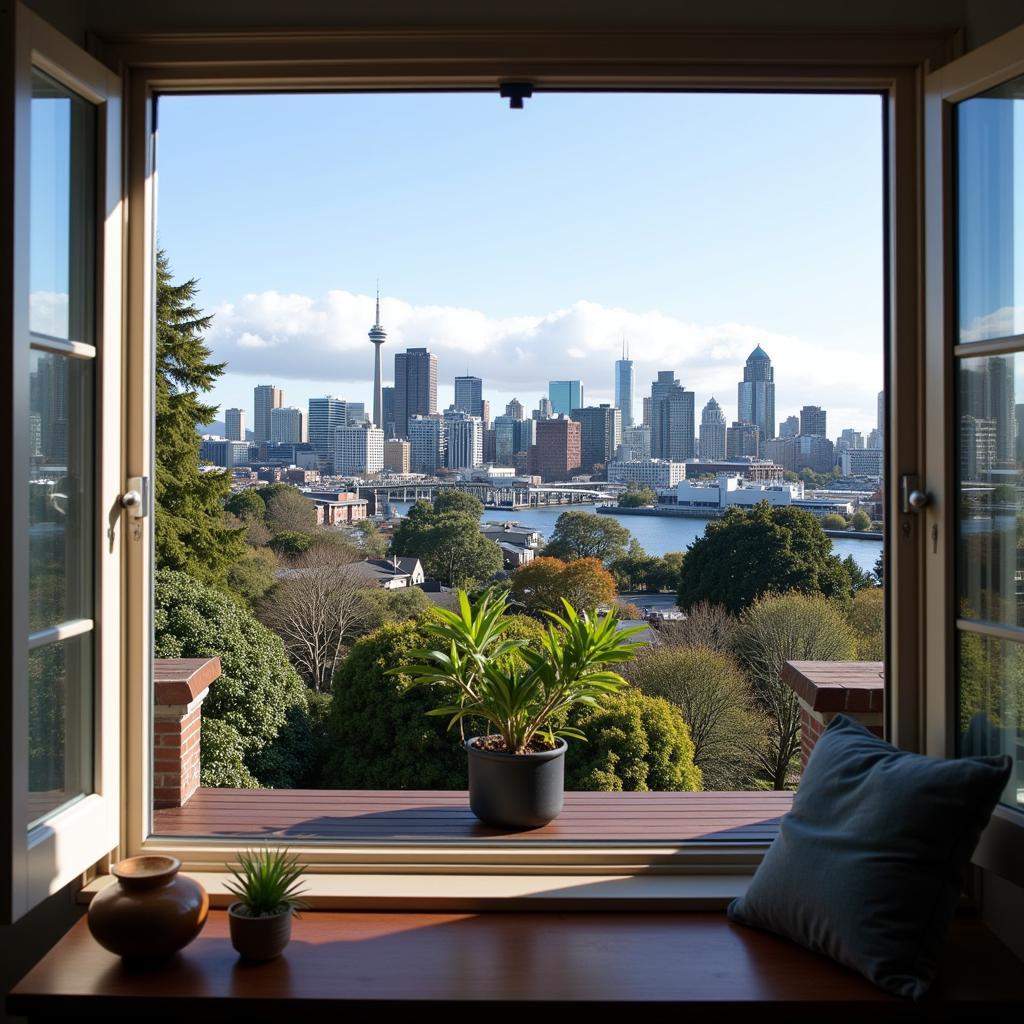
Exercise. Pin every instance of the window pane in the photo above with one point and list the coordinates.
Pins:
(60, 489)
(991, 705)
(60, 724)
(990, 197)
(62, 212)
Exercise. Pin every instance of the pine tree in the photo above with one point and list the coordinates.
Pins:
(191, 535)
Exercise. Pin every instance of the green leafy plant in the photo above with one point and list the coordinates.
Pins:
(267, 882)
(522, 699)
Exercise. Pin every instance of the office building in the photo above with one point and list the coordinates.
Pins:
(880, 420)
(288, 425)
(358, 449)
(514, 409)
(565, 395)
(672, 414)
(636, 442)
(427, 444)
(415, 387)
(655, 473)
(862, 462)
(600, 435)
(646, 411)
(789, 427)
(813, 421)
(624, 386)
(979, 446)
(464, 439)
(742, 440)
(355, 412)
(325, 416)
(221, 452)
(544, 409)
(712, 431)
(987, 392)
(265, 397)
(849, 438)
(234, 424)
(397, 456)
(556, 455)
(756, 393)
(388, 400)
(815, 452)
(469, 396)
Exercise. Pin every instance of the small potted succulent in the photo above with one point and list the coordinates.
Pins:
(517, 770)
(267, 885)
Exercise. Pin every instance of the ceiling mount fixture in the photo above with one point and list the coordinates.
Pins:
(515, 93)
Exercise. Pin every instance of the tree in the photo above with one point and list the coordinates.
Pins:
(717, 703)
(635, 496)
(541, 585)
(777, 629)
(190, 532)
(372, 542)
(460, 502)
(746, 554)
(290, 544)
(632, 571)
(834, 521)
(879, 568)
(317, 610)
(258, 698)
(291, 511)
(587, 535)
(859, 579)
(246, 504)
(867, 616)
(860, 520)
(706, 625)
(635, 743)
(383, 606)
(254, 575)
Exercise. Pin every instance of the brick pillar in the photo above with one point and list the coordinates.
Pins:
(180, 687)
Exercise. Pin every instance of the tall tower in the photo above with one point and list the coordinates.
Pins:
(265, 397)
(712, 432)
(377, 338)
(624, 385)
(757, 393)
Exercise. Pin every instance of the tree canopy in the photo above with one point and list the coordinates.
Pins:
(541, 585)
(746, 554)
(635, 496)
(587, 535)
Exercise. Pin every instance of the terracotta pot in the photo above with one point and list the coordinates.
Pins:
(259, 938)
(151, 913)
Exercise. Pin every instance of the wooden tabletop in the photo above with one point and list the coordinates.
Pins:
(399, 960)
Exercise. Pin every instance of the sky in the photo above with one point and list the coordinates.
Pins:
(523, 246)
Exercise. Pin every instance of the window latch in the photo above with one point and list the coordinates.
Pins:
(912, 499)
(135, 500)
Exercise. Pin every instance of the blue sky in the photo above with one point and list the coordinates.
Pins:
(522, 245)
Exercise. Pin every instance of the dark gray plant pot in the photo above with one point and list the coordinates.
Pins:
(259, 938)
(516, 790)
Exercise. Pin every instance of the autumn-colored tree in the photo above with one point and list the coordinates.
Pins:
(543, 583)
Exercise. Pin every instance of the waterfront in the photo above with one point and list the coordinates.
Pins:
(660, 534)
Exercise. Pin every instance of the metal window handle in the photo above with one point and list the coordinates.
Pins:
(917, 500)
(912, 498)
(136, 499)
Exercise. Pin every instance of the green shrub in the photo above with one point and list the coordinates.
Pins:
(635, 743)
(254, 575)
(257, 693)
(221, 756)
(867, 616)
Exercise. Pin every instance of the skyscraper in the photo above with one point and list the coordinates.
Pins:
(789, 427)
(388, 399)
(464, 437)
(600, 435)
(880, 422)
(377, 338)
(756, 393)
(427, 443)
(325, 416)
(415, 386)
(286, 425)
(556, 455)
(544, 408)
(264, 398)
(813, 420)
(624, 386)
(469, 395)
(234, 424)
(514, 409)
(672, 415)
(712, 432)
(565, 395)
(742, 440)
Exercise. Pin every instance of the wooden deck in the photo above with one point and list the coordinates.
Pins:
(440, 815)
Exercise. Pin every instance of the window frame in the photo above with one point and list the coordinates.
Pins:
(891, 64)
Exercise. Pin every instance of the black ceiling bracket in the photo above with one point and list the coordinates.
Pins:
(515, 93)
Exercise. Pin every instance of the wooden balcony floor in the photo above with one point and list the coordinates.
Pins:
(440, 815)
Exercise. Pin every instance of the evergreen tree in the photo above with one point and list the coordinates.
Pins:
(191, 534)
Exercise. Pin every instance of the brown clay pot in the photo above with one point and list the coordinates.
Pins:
(259, 938)
(151, 913)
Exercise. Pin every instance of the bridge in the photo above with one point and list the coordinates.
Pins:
(494, 494)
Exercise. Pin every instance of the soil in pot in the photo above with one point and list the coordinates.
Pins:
(259, 938)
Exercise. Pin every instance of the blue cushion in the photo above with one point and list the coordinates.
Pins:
(868, 865)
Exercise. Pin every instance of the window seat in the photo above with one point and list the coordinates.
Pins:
(380, 961)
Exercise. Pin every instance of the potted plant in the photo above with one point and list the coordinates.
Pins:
(517, 770)
(267, 885)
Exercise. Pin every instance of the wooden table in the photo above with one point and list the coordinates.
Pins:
(399, 961)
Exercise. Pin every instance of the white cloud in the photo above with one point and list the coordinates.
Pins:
(299, 338)
(48, 313)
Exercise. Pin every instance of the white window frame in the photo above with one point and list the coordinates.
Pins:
(74, 837)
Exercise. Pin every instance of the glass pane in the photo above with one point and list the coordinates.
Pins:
(991, 705)
(62, 214)
(60, 725)
(60, 489)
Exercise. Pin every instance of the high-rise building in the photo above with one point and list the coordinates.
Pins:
(544, 409)
(636, 441)
(427, 443)
(742, 440)
(514, 409)
(222, 452)
(988, 393)
(814, 452)
(624, 386)
(490, 446)
(464, 436)
(325, 416)
(712, 431)
(813, 421)
(979, 444)
(1018, 411)
(287, 424)
(565, 395)
(504, 439)
(672, 415)
(647, 411)
(756, 393)
(880, 421)
(388, 400)
(234, 424)
(862, 462)
(415, 386)
(377, 338)
(355, 412)
(789, 427)
(848, 439)
(556, 455)
(469, 395)
(358, 449)
(264, 397)
(600, 435)
(397, 455)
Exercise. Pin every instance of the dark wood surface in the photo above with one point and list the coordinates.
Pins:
(399, 960)
(429, 815)
(838, 685)
(180, 680)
